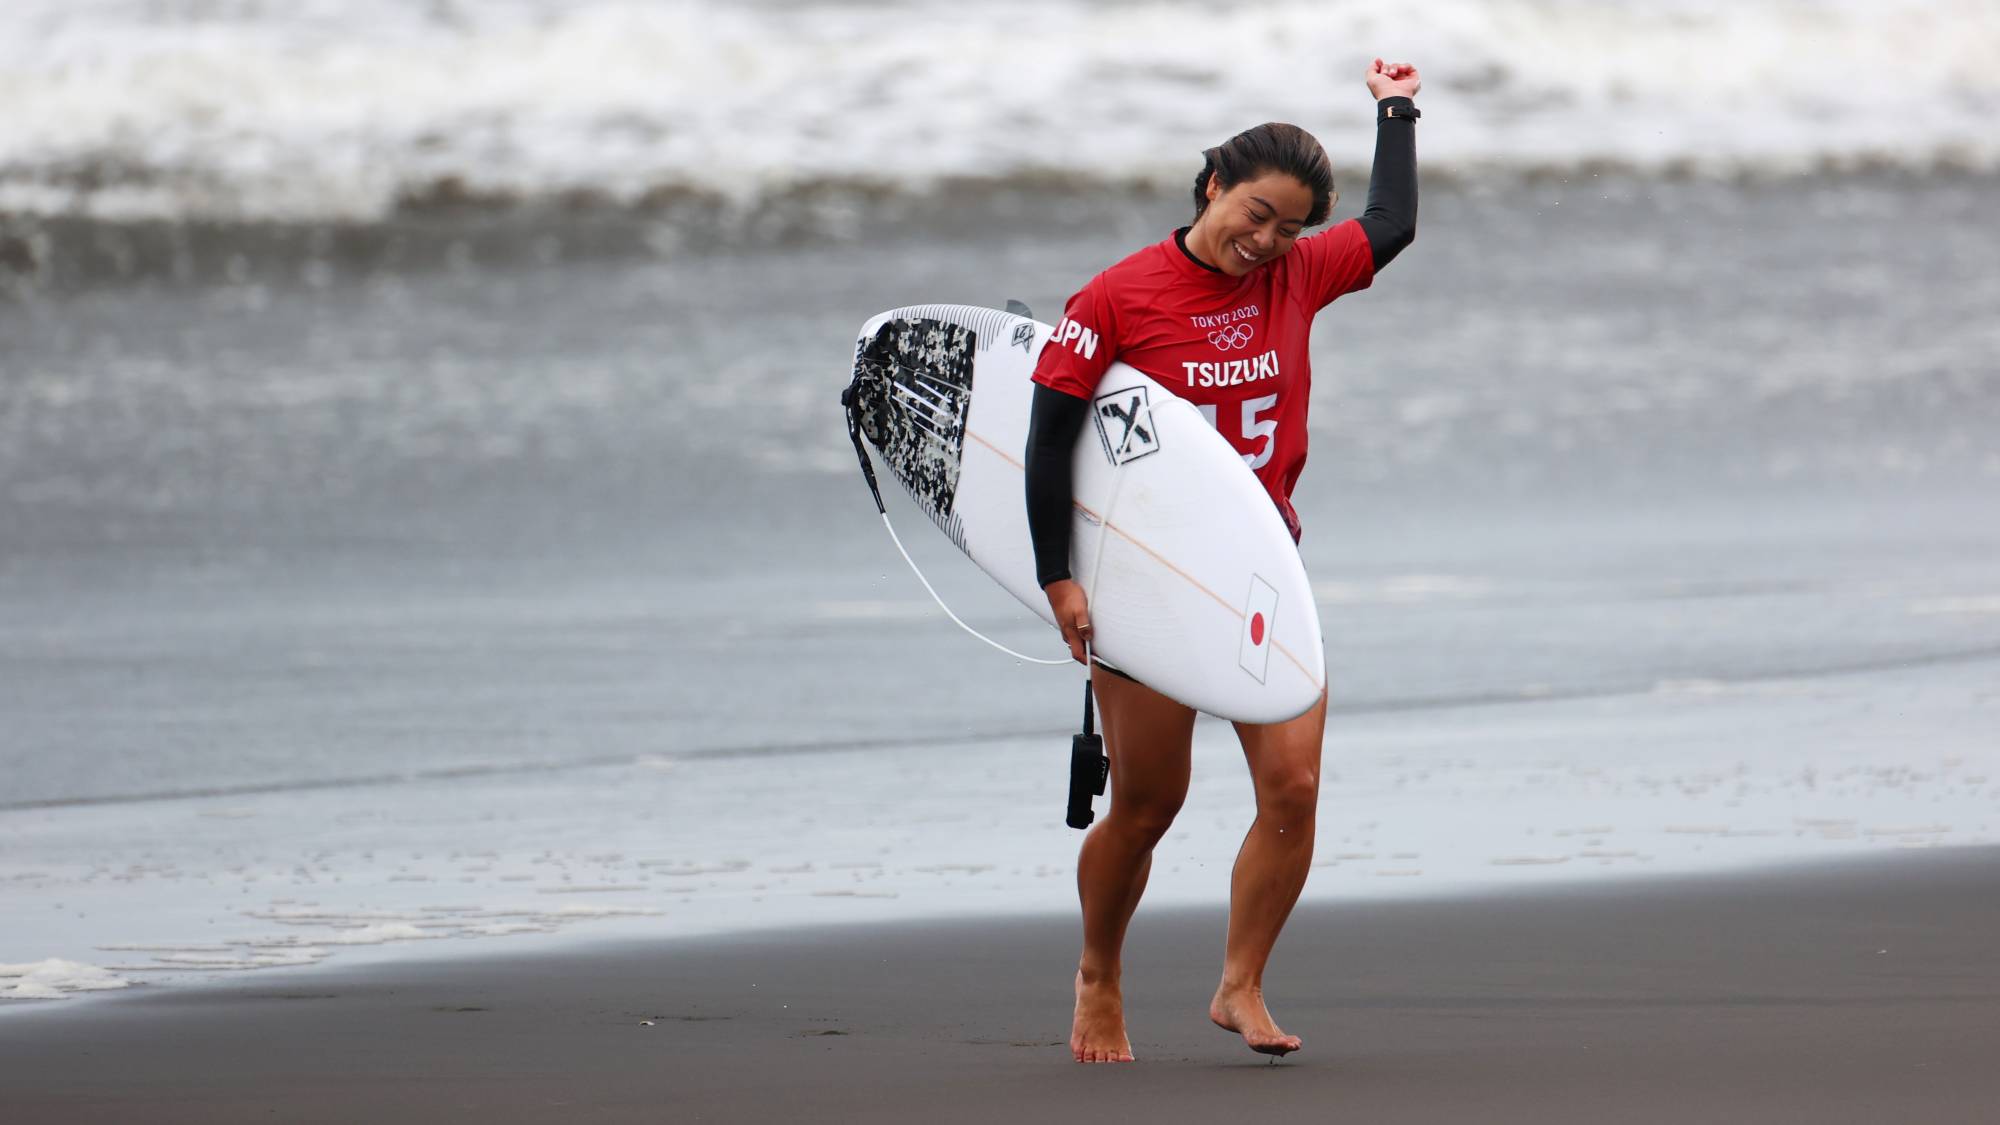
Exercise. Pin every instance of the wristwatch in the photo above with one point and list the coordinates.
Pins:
(1400, 112)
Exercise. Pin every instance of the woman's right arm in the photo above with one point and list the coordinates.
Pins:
(1054, 421)
(1390, 219)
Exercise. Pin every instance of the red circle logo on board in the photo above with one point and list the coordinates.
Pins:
(1256, 628)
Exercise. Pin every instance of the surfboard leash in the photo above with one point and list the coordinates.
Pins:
(852, 408)
(1088, 767)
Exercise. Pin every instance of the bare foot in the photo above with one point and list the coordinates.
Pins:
(1098, 1035)
(1242, 1010)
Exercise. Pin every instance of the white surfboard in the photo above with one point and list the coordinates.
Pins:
(1195, 586)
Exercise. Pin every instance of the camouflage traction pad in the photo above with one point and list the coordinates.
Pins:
(912, 389)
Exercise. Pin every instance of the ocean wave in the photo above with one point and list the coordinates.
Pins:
(359, 111)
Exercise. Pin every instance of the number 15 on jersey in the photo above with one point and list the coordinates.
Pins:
(1259, 421)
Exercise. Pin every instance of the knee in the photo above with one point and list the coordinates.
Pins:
(1289, 797)
(1147, 817)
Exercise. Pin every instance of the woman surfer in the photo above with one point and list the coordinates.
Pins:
(1239, 283)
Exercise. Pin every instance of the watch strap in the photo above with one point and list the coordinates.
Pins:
(1398, 109)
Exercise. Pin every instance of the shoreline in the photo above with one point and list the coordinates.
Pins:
(1853, 989)
(1712, 778)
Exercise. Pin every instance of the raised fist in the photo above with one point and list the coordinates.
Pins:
(1388, 80)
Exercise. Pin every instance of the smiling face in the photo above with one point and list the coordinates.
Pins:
(1250, 223)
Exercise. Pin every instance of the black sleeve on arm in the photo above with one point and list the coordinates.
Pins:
(1390, 219)
(1054, 421)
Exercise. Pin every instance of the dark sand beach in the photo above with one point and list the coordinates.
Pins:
(1856, 991)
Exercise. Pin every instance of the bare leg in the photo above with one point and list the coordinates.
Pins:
(1147, 737)
(1270, 871)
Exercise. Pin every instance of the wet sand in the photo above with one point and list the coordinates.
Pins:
(1855, 991)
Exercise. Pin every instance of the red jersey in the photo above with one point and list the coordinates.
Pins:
(1233, 346)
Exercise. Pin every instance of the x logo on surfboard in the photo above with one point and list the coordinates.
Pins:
(1125, 425)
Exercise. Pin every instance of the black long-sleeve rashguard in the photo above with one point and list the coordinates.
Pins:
(1055, 419)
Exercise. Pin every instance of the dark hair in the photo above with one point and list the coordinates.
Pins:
(1271, 147)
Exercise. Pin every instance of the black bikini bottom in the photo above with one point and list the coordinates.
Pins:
(1116, 672)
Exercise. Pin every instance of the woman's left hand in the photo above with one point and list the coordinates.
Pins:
(1389, 80)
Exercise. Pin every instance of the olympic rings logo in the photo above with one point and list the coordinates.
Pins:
(1234, 336)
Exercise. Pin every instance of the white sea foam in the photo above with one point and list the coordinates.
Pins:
(311, 109)
(580, 910)
(1982, 604)
(375, 934)
(54, 978)
(1403, 589)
